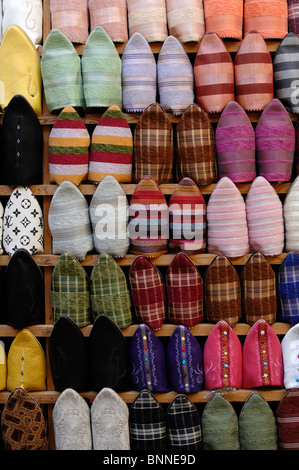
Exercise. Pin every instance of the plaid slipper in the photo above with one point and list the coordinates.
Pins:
(183, 425)
(288, 289)
(184, 362)
(70, 290)
(262, 357)
(184, 291)
(222, 358)
(68, 355)
(111, 16)
(109, 292)
(222, 292)
(195, 149)
(219, 424)
(258, 283)
(253, 73)
(153, 146)
(148, 18)
(187, 219)
(23, 423)
(71, 18)
(293, 16)
(147, 423)
(109, 361)
(257, 425)
(148, 294)
(148, 361)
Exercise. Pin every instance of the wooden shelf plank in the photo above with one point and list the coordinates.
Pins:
(202, 329)
(50, 397)
(190, 47)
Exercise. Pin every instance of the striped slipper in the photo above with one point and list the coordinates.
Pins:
(183, 425)
(265, 222)
(187, 219)
(60, 59)
(225, 18)
(148, 220)
(148, 19)
(253, 73)
(111, 150)
(275, 143)
(109, 292)
(71, 18)
(108, 211)
(148, 293)
(226, 217)
(219, 424)
(257, 424)
(235, 144)
(70, 290)
(101, 71)
(195, 150)
(153, 146)
(186, 20)
(287, 416)
(222, 359)
(290, 216)
(184, 291)
(286, 75)
(269, 18)
(69, 142)
(175, 77)
(138, 74)
(213, 74)
(222, 292)
(111, 16)
(258, 282)
(147, 423)
(69, 222)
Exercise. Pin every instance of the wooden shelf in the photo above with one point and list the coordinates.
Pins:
(272, 394)
(202, 329)
(128, 188)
